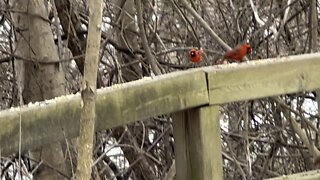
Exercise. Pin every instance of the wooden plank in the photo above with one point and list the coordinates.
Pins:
(49, 121)
(309, 175)
(198, 144)
(263, 78)
(144, 99)
(181, 145)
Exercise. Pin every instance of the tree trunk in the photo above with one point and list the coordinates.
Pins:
(42, 79)
(89, 92)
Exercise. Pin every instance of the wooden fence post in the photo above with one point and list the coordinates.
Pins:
(198, 144)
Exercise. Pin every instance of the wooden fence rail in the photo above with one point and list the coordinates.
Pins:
(49, 121)
(193, 96)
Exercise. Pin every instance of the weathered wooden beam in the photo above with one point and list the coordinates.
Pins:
(198, 144)
(309, 175)
(52, 120)
(257, 79)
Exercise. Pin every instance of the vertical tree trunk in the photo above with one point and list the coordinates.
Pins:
(34, 41)
(87, 119)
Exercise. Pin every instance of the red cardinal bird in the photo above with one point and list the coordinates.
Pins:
(195, 55)
(237, 53)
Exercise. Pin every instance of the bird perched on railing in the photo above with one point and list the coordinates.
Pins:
(237, 53)
(195, 55)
